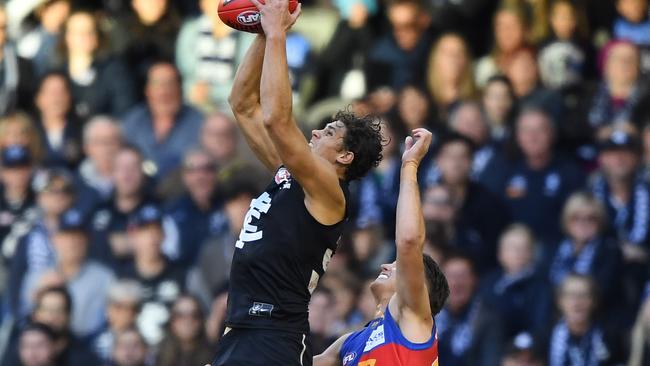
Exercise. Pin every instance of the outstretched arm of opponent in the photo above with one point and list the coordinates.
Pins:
(331, 356)
(245, 103)
(412, 299)
(323, 196)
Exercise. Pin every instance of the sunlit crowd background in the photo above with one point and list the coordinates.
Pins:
(124, 180)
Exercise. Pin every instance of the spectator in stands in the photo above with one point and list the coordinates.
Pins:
(321, 318)
(185, 343)
(538, 183)
(510, 32)
(212, 270)
(516, 290)
(398, 59)
(163, 128)
(37, 347)
(18, 129)
(414, 109)
(197, 212)
(536, 15)
(524, 74)
(53, 308)
(621, 96)
(476, 204)
(578, 337)
(39, 45)
(16, 197)
(147, 34)
(161, 281)
(633, 25)
(123, 298)
(59, 128)
(102, 138)
(100, 84)
(207, 54)
(566, 56)
(449, 74)
(469, 333)
(17, 78)
(220, 139)
(130, 349)
(86, 280)
(586, 251)
(469, 120)
(522, 352)
(35, 253)
(214, 325)
(499, 105)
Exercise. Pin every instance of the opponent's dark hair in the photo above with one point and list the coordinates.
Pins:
(363, 138)
(436, 284)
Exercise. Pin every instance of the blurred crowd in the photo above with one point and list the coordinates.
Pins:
(124, 181)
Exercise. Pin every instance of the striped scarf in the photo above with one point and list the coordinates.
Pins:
(590, 350)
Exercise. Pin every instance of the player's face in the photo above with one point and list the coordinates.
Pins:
(328, 142)
(386, 283)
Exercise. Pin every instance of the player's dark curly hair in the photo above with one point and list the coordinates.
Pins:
(363, 138)
(436, 284)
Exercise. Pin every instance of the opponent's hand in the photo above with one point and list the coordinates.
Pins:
(416, 146)
(275, 16)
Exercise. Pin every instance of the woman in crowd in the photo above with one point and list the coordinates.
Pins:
(499, 104)
(185, 343)
(95, 87)
(18, 129)
(449, 74)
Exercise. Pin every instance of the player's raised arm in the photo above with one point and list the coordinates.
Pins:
(318, 177)
(412, 295)
(245, 103)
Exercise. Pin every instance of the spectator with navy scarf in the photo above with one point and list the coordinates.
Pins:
(469, 332)
(538, 182)
(584, 250)
(633, 24)
(578, 339)
(517, 290)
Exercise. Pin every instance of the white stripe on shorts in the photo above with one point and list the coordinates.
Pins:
(304, 348)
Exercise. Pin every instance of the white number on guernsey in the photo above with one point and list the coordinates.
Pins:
(249, 232)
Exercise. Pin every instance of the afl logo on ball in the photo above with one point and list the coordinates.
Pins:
(250, 17)
(226, 2)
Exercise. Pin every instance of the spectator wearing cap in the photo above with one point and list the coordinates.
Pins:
(85, 279)
(522, 352)
(453, 165)
(469, 332)
(197, 212)
(586, 250)
(102, 138)
(398, 58)
(161, 281)
(540, 180)
(110, 220)
(518, 290)
(489, 163)
(578, 338)
(130, 349)
(621, 96)
(212, 269)
(17, 202)
(34, 252)
(57, 124)
(37, 346)
(17, 79)
(124, 298)
(633, 24)
(163, 127)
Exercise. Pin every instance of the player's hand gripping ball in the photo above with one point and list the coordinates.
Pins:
(243, 14)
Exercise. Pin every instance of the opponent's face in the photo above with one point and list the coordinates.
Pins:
(386, 283)
(328, 143)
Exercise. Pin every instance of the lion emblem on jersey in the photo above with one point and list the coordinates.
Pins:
(283, 177)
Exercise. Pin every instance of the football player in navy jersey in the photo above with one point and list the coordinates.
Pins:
(292, 229)
(409, 292)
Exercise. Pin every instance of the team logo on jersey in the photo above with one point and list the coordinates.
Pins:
(261, 309)
(349, 358)
(283, 177)
(377, 338)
